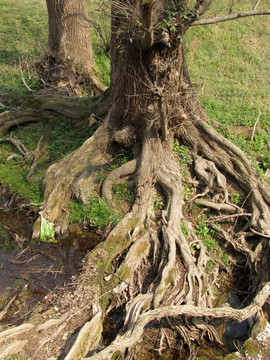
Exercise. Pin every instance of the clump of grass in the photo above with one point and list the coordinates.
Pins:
(65, 138)
(207, 235)
(237, 198)
(157, 203)
(13, 177)
(123, 193)
(181, 152)
(95, 212)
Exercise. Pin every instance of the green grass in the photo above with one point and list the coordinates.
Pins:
(229, 68)
(62, 138)
(65, 138)
(228, 64)
(95, 212)
(123, 193)
(24, 32)
(207, 235)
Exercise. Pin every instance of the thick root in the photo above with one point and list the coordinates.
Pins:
(73, 176)
(115, 176)
(129, 339)
(229, 159)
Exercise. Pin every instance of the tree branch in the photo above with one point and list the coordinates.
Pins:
(233, 16)
(256, 4)
(202, 6)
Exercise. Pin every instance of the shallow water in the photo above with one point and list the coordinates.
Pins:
(30, 270)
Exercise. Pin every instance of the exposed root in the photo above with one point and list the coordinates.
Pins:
(129, 339)
(215, 206)
(9, 119)
(229, 159)
(115, 176)
(73, 176)
(35, 160)
(146, 264)
(207, 172)
(18, 144)
(89, 336)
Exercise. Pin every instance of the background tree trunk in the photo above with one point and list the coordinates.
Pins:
(70, 49)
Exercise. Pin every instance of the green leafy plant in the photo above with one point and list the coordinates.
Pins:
(95, 212)
(184, 229)
(207, 235)
(157, 203)
(176, 12)
(181, 152)
(100, 177)
(236, 198)
(123, 193)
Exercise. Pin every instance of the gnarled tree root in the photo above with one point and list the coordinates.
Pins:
(129, 339)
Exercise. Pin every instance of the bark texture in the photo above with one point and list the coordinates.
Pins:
(70, 49)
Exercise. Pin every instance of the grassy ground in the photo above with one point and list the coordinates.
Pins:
(228, 63)
(229, 67)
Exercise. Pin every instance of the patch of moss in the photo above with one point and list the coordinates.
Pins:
(141, 248)
(95, 212)
(251, 347)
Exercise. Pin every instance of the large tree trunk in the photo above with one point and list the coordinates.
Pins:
(148, 266)
(70, 50)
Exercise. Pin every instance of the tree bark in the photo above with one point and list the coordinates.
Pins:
(69, 42)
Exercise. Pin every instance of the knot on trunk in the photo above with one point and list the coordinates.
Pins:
(125, 137)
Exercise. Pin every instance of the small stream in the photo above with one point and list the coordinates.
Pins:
(29, 270)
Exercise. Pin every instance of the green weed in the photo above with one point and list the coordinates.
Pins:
(236, 198)
(95, 212)
(207, 235)
(210, 265)
(100, 177)
(225, 259)
(123, 193)
(181, 152)
(187, 191)
(184, 229)
(13, 177)
(65, 138)
(120, 159)
(157, 203)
